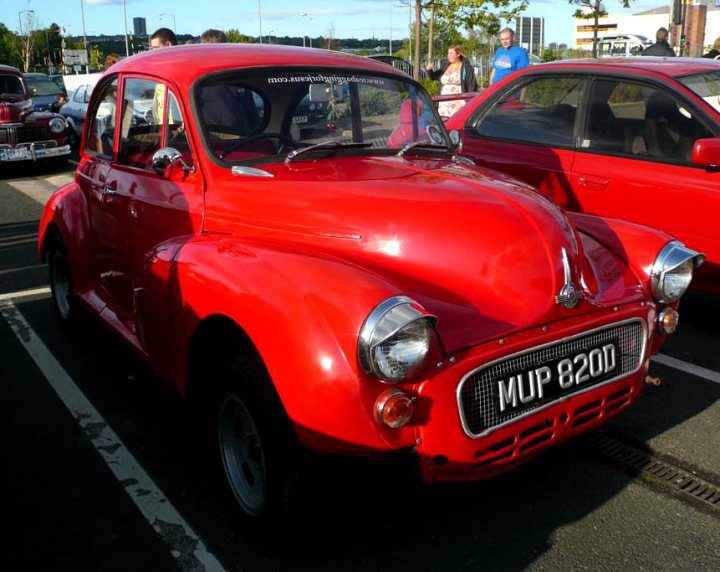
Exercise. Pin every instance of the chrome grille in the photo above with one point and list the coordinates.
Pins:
(477, 394)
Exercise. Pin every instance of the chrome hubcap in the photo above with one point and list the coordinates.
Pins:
(242, 454)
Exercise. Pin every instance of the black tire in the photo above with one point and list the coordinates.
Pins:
(61, 282)
(257, 447)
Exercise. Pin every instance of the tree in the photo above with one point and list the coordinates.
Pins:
(235, 37)
(27, 38)
(593, 9)
(9, 47)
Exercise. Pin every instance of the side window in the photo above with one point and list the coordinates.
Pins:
(604, 49)
(642, 121)
(176, 133)
(80, 94)
(541, 112)
(101, 131)
(141, 128)
(619, 49)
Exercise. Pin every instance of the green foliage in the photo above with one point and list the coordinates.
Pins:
(432, 87)
(9, 47)
(235, 37)
(549, 55)
(378, 102)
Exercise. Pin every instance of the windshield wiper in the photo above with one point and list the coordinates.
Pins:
(326, 145)
(425, 144)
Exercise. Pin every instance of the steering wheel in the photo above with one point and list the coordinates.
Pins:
(285, 142)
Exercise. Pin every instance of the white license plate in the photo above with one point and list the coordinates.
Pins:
(18, 154)
(300, 119)
(563, 375)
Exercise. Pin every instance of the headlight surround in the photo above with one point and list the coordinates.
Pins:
(673, 270)
(57, 125)
(395, 339)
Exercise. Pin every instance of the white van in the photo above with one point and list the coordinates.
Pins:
(622, 45)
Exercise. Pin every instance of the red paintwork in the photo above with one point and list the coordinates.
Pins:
(22, 126)
(681, 200)
(299, 260)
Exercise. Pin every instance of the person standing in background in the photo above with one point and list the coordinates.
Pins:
(456, 75)
(714, 54)
(660, 48)
(508, 58)
(213, 36)
(163, 38)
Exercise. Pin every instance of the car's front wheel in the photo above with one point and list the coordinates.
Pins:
(61, 283)
(257, 447)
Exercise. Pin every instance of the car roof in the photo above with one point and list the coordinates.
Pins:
(9, 69)
(183, 64)
(671, 67)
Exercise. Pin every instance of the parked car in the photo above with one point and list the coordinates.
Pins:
(636, 139)
(360, 292)
(622, 46)
(26, 134)
(74, 111)
(47, 94)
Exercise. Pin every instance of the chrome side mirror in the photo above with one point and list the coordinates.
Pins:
(456, 140)
(167, 156)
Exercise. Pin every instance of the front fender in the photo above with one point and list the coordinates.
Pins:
(67, 213)
(637, 246)
(302, 311)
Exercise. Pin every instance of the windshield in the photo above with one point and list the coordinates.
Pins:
(247, 117)
(43, 85)
(706, 85)
(11, 85)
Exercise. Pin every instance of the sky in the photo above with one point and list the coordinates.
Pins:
(338, 18)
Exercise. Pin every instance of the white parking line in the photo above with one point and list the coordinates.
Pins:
(690, 368)
(19, 295)
(185, 546)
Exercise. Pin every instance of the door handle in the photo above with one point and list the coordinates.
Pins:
(109, 190)
(593, 183)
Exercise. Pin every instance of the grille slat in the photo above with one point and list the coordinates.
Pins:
(478, 394)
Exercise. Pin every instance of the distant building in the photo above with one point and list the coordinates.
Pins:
(139, 26)
(530, 33)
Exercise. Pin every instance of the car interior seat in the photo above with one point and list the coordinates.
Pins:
(668, 133)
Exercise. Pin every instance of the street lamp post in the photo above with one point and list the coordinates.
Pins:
(172, 16)
(87, 55)
(127, 47)
(260, 20)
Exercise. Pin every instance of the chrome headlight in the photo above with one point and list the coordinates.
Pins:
(395, 339)
(57, 125)
(673, 270)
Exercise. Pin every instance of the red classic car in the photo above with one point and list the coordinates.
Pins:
(635, 138)
(27, 135)
(358, 291)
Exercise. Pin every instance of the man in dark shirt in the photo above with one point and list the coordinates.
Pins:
(660, 47)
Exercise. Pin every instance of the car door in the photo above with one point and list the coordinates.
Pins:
(110, 286)
(157, 207)
(634, 163)
(528, 131)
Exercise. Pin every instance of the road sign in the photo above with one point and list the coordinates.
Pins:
(75, 57)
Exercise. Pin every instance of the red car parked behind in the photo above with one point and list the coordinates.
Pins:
(636, 139)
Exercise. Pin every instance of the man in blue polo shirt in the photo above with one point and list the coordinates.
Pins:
(508, 58)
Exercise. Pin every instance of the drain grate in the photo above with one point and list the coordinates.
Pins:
(682, 481)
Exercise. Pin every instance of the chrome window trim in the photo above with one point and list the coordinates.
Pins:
(543, 406)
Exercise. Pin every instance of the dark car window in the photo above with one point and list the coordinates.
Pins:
(43, 85)
(10, 84)
(543, 111)
(101, 132)
(640, 120)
